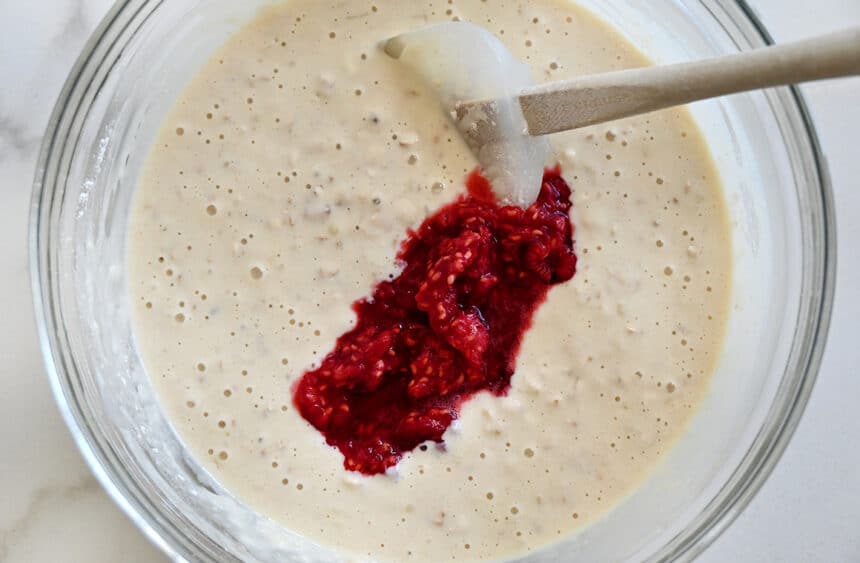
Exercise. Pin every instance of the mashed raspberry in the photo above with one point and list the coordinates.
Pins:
(447, 327)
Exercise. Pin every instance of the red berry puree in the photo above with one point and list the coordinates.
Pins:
(447, 327)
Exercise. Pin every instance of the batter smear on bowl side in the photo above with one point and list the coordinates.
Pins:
(447, 327)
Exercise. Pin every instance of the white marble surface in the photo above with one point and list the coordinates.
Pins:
(51, 509)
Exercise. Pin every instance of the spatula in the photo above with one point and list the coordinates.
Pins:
(502, 115)
(587, 100)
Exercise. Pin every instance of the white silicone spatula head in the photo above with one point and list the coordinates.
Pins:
(461, 61)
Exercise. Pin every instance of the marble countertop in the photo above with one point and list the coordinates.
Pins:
(51, 508)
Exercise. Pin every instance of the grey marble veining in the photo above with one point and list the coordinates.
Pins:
(51, 508)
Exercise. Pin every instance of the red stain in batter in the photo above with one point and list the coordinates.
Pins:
(447, 327)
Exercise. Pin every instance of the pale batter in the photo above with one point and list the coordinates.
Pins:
(276, 195)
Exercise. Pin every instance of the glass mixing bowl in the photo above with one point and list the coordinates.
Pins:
(101, 129)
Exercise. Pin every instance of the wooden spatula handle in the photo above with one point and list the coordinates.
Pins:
(593, 99)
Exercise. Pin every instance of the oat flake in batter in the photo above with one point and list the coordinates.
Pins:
(277, 194)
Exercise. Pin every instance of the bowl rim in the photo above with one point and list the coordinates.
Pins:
(731, 499)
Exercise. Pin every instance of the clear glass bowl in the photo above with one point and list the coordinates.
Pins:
(107, 115)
